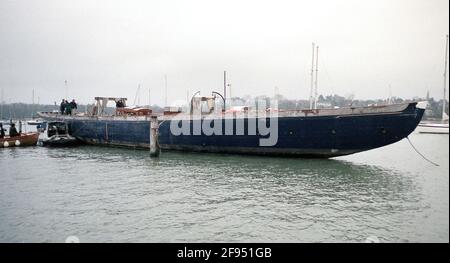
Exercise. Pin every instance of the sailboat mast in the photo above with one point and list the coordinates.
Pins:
(445, 79)
(67, 90)
(224, 89)
(312, 79)
(390, 95)
(32, 108)
(1, 107)
(315, 82)
(136, 96)
(149, 105)
(139, 95)
(187, 98)
(165, 88)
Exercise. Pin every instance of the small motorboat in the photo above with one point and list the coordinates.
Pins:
(35, 122)
(24, 139)
(39, 123)
(58, 135)
(60, 141)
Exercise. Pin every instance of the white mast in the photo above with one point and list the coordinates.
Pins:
(139, 95)
(165, 87)
(1, 108)
(224, 88)
(390, 95)
(136, 96)
(315, 82)
(67, 90)
(187, 99)
(312, 79)
(32, 108)
(445, 80)
(149, 105)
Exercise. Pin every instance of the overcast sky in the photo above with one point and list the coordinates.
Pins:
(108, 48)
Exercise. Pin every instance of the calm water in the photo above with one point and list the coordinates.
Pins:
(101, 194)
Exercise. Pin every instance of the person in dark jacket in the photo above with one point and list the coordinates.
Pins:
(62, 106)
(68, 108)
(2, 131)
(120, 104)
(73, 105)
(13, 131)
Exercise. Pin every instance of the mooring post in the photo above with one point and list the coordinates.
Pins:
(154, 141)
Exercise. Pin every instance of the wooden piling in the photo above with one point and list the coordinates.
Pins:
(154, 137)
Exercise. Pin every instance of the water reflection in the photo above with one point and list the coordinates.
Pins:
(111, 194)
(290, 179)
(328, 173)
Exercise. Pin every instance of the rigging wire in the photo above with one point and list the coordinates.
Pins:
(417, 151)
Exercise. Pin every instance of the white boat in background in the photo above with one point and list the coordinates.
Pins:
(433, 128)
(35, 122)
(438, 128)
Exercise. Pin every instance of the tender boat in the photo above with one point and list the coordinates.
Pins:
(25, 139)
(58, 135)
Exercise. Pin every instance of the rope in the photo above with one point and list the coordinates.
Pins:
(417, 151)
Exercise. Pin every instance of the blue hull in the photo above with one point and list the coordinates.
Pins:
(135, 134)
(311, 136)
(322, 137)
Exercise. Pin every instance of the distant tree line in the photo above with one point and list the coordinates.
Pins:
(434, 110)
(23, 110)
(28, 111)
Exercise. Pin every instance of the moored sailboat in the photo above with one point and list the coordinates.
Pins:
(443, 127)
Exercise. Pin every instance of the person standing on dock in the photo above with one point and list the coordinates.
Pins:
(68, 108)
(62, 106)
(73, 106)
